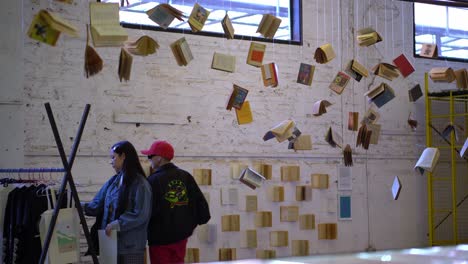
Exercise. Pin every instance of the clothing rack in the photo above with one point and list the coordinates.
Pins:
(67, 178)
(32, 170)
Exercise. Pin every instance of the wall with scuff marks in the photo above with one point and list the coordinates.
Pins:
(206, 135)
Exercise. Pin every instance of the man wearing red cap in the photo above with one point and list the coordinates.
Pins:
(178, 206)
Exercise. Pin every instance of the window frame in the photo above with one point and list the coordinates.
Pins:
(295, 24)
(442, 58)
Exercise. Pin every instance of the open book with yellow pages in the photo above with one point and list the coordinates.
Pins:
(163, 14)
(105, 25)
(268, 25)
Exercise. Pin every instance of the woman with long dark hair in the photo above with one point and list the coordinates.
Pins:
(124, 204)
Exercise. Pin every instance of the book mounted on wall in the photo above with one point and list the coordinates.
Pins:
(256, 54)
(227, 27)
(268, 25)
(198, 17)
(305, 74)
(269, 74)
(237, 97)
(182, 53)
(163, 14)
(428, 50)
(368, 36)
(324, 54)
(105, 24)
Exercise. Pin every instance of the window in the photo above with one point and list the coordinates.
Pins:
(244, 14)
(444, 26)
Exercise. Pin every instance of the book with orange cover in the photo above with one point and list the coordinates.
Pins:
(256, 54)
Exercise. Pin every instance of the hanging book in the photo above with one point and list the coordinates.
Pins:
(363, 137)
(383, 97)
(427, 160)
(251, 178)
(396, 188)
(306, 74)
(256, 54)
(105, 25)
(353, 120)
(428, 50)
(324, 54)
(244, 115)
(237, 98)
(356, 70)
(368, 36)
(386, 70)
(375, 128)
(333, 138)
(461, 76)
(182, 53)
(415, 93)
(442, 74)
(404, 66)
(339, 83)
(227, 27)
(370, 117)
(125, 65)
(282, 131)
(223, 62)
(163, 14)
(463, 151)
(348, 156)
(320, 107)
(144, 46)
(412, 122)
(198, 17)
(269, 74)
(303, 142)
(47, 26)
(268, 25)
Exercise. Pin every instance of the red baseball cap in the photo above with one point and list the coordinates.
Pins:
(160, 148)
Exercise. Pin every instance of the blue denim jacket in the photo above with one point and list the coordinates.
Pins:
(133, 223)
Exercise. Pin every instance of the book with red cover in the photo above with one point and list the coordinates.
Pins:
(403, 65)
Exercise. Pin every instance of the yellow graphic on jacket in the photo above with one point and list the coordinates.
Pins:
(177, 194)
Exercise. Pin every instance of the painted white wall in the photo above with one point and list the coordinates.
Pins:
(208, 136)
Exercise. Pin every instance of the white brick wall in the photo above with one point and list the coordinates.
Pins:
(212, 138)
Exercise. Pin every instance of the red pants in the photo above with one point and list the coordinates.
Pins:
(171, 253)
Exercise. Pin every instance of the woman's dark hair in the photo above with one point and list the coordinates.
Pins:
(131, 168)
